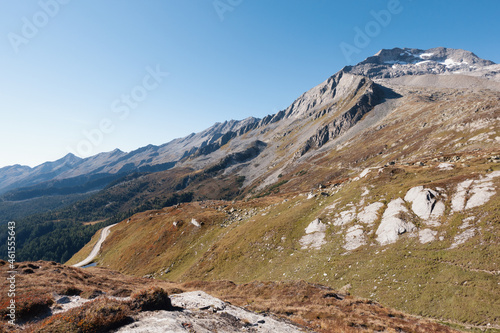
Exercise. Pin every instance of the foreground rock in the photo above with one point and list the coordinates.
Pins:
(203, 313)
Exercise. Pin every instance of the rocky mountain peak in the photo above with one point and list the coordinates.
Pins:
(389, 63)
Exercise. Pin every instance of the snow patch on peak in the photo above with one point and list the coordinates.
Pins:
(426, 55)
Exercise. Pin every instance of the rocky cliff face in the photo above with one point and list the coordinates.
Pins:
(369, 96)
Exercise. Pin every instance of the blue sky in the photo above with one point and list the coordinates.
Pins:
(67, 67)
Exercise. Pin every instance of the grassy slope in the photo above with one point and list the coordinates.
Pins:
(424, 279)
(260, 240)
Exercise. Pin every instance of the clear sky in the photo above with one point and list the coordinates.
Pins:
(87, 76)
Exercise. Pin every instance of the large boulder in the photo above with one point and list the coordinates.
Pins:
(392, 224)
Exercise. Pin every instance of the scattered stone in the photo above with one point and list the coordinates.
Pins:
(316, 226)
(364, 173)
(445, 166)
(332, 206)
(334, 295)
(195, 223)
(463, 237)
(345, 289)
(482, 192)
(345, 217)
(465, 222)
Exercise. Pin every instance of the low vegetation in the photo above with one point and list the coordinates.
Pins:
(258, 239)
(316, 307)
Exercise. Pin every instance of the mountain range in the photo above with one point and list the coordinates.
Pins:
(382, 180)
(400, 66)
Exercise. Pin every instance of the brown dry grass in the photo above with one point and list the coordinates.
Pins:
(317, 307)
(313, 306)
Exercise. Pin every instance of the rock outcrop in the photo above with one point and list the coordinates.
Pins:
(424, 203)
(315, 235)
(478, 192)
(392, 224)
(205, 314)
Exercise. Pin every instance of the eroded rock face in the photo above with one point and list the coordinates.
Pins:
(369, 214)
(424, 203)
(354, 238)
(315, 235)
(482, 191)
(392, 224)
(205, 314)
(458, 199)
(479, 192)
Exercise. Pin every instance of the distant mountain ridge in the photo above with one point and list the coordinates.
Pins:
(148, 158)
(324, 98)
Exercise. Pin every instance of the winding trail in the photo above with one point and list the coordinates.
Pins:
(104, 233)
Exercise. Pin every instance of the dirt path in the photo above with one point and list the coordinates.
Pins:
(104, 233)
